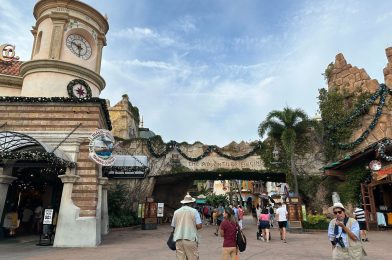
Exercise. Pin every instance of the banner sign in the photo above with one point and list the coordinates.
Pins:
(48, 217)
(101, 146)
(160, 210)
(7, 53)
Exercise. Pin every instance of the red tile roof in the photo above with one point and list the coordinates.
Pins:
(10, 68)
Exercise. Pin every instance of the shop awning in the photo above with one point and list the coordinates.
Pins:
(127, 166)
(19, 146)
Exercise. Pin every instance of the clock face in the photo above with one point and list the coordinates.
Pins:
(79, 46)
(375, 165)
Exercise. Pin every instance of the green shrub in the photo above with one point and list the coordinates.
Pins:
(319, 225)
(313, 219)
(120, 211)
(316, 222)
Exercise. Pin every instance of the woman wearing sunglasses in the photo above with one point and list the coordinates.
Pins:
(343, 232)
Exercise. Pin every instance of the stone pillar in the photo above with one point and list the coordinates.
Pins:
(59, 20)
(63, 232)
(5, 181)
(103, 182)
(101, 43)
(72, 229)
(34, 32)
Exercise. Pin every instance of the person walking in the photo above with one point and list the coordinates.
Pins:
(206, 213)
(37, 219)
(240, 217)
(264, 224)
(272, 215)
(281, 215)
(228, 230)
(258, 212)
(343, 232)
(359, 215)
(186, 221)
(219, 218)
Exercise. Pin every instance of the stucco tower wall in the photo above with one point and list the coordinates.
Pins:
(54, 62)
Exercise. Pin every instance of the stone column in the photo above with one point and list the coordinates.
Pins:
(101, 42)
(34, 32)
(5, 181)
(63, 231)
(59, 20)
(103, 182)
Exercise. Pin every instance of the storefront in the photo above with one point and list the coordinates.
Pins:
(30, 182)
(376, 188)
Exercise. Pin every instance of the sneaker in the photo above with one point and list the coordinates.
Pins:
(366, 240)
(216, 234)
(284, 241)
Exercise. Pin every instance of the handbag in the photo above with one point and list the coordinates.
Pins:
(170, 242)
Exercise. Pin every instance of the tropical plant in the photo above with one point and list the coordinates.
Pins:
(287, 127)
(119, 207)
(216, 200)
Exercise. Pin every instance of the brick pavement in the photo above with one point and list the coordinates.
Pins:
(151, 244)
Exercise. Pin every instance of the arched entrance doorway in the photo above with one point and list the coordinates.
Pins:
(29, 183)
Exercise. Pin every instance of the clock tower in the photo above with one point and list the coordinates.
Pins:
(69, 36)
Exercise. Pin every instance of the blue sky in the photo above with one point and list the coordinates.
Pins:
(210, 71)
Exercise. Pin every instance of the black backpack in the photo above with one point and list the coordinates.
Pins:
(241, 240)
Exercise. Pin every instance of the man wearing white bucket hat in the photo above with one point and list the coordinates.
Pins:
(343, 232)
(186, 221)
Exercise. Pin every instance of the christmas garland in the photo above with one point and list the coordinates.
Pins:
(173, 145)
(381, 150)
(382, 93)
(50, 158)
(65, 100)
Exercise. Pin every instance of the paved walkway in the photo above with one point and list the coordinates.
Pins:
(151, 244)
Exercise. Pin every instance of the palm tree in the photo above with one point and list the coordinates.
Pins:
(286, 126)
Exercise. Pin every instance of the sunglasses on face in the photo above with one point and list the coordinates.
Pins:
(337, 212)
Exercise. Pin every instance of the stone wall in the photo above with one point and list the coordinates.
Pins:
(344, 76)
(53, 121)
(123, 121)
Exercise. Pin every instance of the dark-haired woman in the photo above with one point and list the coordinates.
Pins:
(228, 230)
(264, 224)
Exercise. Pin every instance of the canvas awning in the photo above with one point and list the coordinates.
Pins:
(127, 166)
(17, 146)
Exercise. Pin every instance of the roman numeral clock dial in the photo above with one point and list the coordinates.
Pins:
(79, 46)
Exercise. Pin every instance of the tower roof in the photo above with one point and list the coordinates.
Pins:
(10, 68)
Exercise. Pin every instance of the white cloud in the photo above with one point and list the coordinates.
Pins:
(185, 24)
(144, 35)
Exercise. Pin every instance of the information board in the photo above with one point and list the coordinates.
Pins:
(48, 217)
(160, 210)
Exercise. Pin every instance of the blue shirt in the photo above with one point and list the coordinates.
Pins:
(235, 213)
(354, 228)
(220, 211)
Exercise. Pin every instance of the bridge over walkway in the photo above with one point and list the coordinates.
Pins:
(174, 166)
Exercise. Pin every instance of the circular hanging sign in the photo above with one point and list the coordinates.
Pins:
(79, 88)
(101, 146)
(375, 165)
